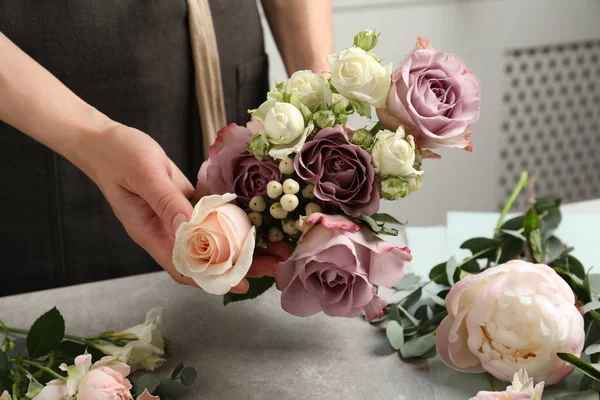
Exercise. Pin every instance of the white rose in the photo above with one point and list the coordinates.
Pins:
(284, 129)
(394, 154)
(312, 89)
(216, 246)
(359, 77)
(521, 388)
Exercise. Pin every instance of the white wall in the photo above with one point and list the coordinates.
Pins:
(480, 31)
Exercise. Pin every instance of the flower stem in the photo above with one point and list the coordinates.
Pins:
(80, 339)
(511, 200)
(492, 383)
(41, 367)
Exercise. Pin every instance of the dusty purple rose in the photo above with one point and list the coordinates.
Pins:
(231, 169)
(335, 267)
(435, 96)
(341, 172)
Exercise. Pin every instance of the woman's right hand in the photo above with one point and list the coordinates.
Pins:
(145, 189)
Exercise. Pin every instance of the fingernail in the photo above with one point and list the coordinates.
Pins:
(178, 220)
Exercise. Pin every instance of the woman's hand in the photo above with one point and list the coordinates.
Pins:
(147, 192)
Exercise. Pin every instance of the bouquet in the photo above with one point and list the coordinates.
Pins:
(45, 363)
(521, 308)
(297, 185)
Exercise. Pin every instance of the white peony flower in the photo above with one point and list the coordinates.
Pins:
(312, 89)
(359, 77)
(394, 154)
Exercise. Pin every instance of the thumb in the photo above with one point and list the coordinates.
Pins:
(168, 202)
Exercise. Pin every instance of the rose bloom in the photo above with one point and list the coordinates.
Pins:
(513, 316)
(341, 172)
(335, 267)
(231, 169)
(312, 89)
(216, 246)
(522, 388)
(394, 154)
(435, 96)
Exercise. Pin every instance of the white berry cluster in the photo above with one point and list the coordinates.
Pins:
(285, 207)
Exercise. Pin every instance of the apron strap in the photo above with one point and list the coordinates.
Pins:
(209, 89)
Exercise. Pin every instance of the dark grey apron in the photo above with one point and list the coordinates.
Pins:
(130, 59)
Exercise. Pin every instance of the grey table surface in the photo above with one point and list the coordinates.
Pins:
(250, 350)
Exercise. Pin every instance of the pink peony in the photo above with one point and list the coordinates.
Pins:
(435, 96)
(513, 316)
(522, 388)
(335, 267)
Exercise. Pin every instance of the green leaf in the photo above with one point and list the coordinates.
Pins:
(479, 244)
(411, 299)
(4, 366)
(411, 320)
(576, 267)
(410, 281)
(580, 291)
(592, 305)
(594, 281)
(436, 299)
(534, 236)
(438, 274)
(451, 266)
(515, 234)
(68, 350)
(257, 287)
(423, 313)
(394, 314)
(45, 334)
(472, 267)
(33, 389)
(433, 322)
(587, 395)
(395, 334)
(177, 371)
(592, 349)
(383, 217)
(553, 248)
(172, 390)
(514, 224)
(260, 242)
(188, 376)
(581, 365)
(418, 347)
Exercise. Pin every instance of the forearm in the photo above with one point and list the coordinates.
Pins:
(35, 102)
(303, 32)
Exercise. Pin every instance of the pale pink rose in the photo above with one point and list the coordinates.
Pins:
(54, 390)
(216, 246)
(5, 396)
(513, 316)
(435, 97)
(105, 380)
(522, 388)
(335, 267)
(147, 396)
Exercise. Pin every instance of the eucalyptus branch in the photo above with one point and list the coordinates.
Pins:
(86, 341)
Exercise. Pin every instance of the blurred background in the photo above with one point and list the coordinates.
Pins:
(539, 66)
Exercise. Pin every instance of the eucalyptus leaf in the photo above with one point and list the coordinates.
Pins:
(587, 395)
(592, 305)
(594, 280)
(579, 289)
(471, 267)
(433, 322)
(512, 249)
(514, 224)
(480, 245)
(410, 281)
(412, 298)
(172, 390)
(411, 318)
(418, 347)
(436, 299)
(395, 334)
(383, 217)
(188, 376)
(592, 349)
(45, 334)
(394, 314)
(257, 287)
(146, 381)
(422, 313)
(451, 266)
(581, 365)
(177, 371)
(554, 248)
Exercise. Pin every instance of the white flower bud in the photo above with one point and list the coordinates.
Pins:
(275, 235)
(394, 154)
(284, 123)
(309, 191)
(366, 39)
(289, 202)
(255, 218)
(258, 203)
(274, 189)
(312, 89)
(290, 186)
(286, 166)
(312, 208)
(277, 211)
(289, 227)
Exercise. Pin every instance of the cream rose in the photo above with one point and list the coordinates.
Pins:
(216, 246)
(359, 77)
(394, 154)
(516, 315)
(312, 89)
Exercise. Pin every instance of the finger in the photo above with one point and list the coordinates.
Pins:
(181, 181)
(263, 266)
(167, 201)
(241, 287)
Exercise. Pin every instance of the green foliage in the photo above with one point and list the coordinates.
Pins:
(45, 334)
(257, 287)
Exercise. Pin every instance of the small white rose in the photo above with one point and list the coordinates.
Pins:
(216, 246)
(359, 77)
(394, 154)
(312, 89)
(284, 123)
